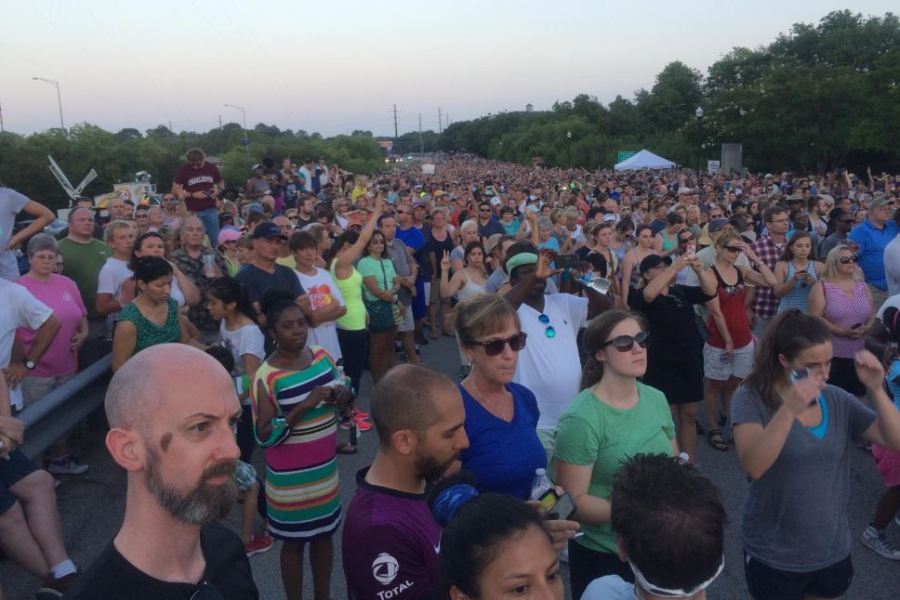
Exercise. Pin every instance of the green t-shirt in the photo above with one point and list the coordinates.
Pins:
(382, 270)
(82, 264)
(590, 432)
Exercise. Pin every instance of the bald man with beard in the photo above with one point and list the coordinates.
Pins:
(172, 411)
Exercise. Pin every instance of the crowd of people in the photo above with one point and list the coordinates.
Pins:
(594, 314)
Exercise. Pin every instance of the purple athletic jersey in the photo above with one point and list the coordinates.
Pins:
(390, 545)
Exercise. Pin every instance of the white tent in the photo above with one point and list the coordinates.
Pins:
(644, 160)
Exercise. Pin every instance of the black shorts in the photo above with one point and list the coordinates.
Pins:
(13, 470)
(766, 583)
(843, 375)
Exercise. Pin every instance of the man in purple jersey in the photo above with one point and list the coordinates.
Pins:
(391, 543)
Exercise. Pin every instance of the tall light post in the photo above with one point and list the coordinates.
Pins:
(699, 114)
(569, 137)
(55, 84)
(244, 120)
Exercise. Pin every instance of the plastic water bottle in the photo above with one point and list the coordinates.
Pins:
(540, 484)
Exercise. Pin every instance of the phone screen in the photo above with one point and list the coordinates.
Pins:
(548, 500)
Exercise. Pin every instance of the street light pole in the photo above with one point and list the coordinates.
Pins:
(569, 137)
(699, 114)
(55, 84)
(244, 121)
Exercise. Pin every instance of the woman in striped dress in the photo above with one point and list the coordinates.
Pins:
(295, 394)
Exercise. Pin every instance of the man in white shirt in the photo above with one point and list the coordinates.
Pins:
(549, 365)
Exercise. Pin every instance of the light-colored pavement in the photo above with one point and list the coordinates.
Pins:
(91, 507)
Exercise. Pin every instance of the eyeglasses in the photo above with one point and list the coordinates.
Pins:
(550, 331)
(206, 592)
(402, 212)
(686, 240)
(734, 249)
(846, 260)
(624, 343)
(485, 210)
(495, 347)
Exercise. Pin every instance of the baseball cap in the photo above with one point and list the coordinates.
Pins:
(255, 167)
(685, 191)
(654, 260)
(268, 231)
(717, 225)
(879, 201)
(255, 207)
(229, 235)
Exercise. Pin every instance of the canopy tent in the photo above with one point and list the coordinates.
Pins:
(644, 160)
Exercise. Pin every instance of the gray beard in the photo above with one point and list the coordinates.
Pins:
(204, 504)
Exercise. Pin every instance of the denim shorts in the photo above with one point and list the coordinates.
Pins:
(13, 469)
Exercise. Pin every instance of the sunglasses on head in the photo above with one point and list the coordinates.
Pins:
(495, 347)
(624, 343)
(846, 260)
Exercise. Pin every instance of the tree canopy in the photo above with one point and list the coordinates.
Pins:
(817, 97)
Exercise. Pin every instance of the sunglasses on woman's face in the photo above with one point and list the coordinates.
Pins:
(495, 347)
(624, 343)
(846, 260)
(734, 249)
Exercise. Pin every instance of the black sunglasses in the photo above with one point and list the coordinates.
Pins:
(495, 347)
(733, 248)
(624, 343)
(846, 260)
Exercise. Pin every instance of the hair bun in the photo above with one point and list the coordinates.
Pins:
(450, 500)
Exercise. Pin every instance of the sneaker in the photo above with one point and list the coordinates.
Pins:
(362, 425)
(67, 465)
(55, 588)
(877, 543)
(360, 414)
(257, 544)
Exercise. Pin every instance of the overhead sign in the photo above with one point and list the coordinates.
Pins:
(624, 155)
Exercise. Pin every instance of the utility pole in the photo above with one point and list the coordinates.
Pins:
(421, 142)
(440, 121)
(2, 129)
(396, 136)
(220, 122)
(170, 127)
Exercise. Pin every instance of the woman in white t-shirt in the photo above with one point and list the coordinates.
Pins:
(228, 302)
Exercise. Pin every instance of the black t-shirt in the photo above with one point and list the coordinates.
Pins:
(259, 282)
(111, 576)
(673, 328)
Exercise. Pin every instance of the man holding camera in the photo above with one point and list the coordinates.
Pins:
(198, 183)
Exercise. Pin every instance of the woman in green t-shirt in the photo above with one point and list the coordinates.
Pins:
(380, 284)
(613, 418)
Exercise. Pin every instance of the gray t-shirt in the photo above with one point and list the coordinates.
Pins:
(403, 263)
(795, 515)
(11, 204)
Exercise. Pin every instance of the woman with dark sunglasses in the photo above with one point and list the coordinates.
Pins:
(612, 419)
(501, 416)
(843, 299)
(728, 353)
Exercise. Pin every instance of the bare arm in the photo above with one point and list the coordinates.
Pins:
(251, 366)
(43, 216)
(576, 479)
(372, 286)
(627, 266)
(192, 296)
(349, 256)
(785, 287)
(124, 342)
(106, 304)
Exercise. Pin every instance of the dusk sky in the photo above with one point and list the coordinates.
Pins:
(336, 66)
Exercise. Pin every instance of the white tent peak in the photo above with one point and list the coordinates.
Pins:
(644, 160)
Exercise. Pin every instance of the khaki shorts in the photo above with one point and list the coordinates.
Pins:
(34, 388)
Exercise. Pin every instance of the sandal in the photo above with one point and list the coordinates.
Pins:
(346, 448)
(714, 436)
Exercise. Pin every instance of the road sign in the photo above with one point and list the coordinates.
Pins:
(712, 166)
(624, 155)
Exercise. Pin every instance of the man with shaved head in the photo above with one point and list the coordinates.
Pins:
(172, 411)
(390, 541)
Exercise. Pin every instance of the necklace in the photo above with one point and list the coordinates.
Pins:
(502, 411)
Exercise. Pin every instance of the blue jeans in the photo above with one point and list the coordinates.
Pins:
(210, 218)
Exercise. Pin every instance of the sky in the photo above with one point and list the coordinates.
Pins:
(337, 65)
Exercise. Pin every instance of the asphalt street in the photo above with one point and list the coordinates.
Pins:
(92, 505)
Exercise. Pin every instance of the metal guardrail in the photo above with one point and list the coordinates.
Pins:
(62, 409)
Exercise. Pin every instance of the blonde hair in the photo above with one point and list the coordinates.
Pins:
(483, 315)
(113, 227)
(831, 261)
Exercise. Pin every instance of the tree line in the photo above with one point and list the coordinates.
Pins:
(817, 98)
(159, 151)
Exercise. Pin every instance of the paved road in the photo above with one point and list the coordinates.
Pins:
(92, 505)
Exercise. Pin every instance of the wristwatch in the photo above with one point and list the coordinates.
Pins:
(29, 364)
